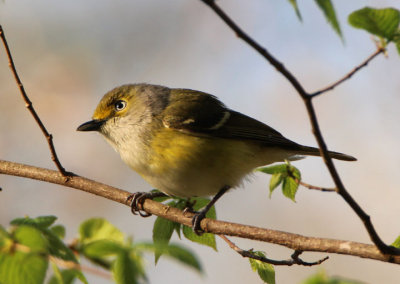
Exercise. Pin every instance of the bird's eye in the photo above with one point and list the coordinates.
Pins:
(120, 105)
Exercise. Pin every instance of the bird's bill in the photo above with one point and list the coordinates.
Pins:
(93, 125)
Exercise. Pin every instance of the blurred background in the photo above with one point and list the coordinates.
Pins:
(70, 53)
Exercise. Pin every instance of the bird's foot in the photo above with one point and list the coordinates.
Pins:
(196, 222)
(137, 199)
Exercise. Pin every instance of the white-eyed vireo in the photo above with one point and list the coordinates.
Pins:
(187, 143)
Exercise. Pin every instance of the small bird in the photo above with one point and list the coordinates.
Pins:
(187, 143)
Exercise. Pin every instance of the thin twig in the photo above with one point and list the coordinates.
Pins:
(378, 51)
(307, 99)
(288, 262)
(307, 185)
(292, 241)
(29, 106)
(310, 186)
(260, 49)
(298, 260)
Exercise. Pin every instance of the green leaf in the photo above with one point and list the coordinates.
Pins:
(122, 269)
(397, 42)
(57, 277)
(97, 229)
(163, 229)
(329, 11)
(101, 248)
(396, 243)
(295, 172)
(183, 255)
(266, 271)
(296, 8)
(6, 241)
(383, 23)
(55, 245)
(127, 268)
(40, 222)
(31, 237)
(66, 276)
(284, 174)
(275, 181)
(57, 248)
(78, 274)
(22, 268)
(205, 239)
(179, 253)
(58, 230)
(3, 232)
(275, 169)
(289, 188)
(162, 232)
(177, 229)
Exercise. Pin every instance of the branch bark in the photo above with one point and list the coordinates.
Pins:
(289, 240)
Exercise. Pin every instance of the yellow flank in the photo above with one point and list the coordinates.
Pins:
(173, 149)
(186, 165)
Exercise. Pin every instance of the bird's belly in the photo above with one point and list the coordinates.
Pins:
(187, 166)
(189, 183)
(200, 166)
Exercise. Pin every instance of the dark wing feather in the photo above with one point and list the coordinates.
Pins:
(240, 126)
(215, 120)
(200, 114)
(193, 111)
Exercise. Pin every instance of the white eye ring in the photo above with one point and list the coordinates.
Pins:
(120, 105)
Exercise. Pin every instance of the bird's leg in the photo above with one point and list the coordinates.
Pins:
(138, 198)
(198, 216)
(189, 206)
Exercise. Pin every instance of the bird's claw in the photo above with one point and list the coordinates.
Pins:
(196, 222)
(137, 200)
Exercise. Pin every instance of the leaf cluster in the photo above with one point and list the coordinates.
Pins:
(382, 23)
(163, 228)
(283, 174)
(30, 244)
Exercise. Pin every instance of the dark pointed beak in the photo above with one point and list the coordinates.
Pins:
(93, 125)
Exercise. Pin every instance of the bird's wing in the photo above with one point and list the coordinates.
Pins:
(200, 114)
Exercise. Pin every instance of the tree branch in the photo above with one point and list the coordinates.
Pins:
(289, 240)
(378, 51)
(29, 106)
(307, 99)
(289, 262)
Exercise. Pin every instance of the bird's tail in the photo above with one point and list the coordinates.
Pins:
(312, 151)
